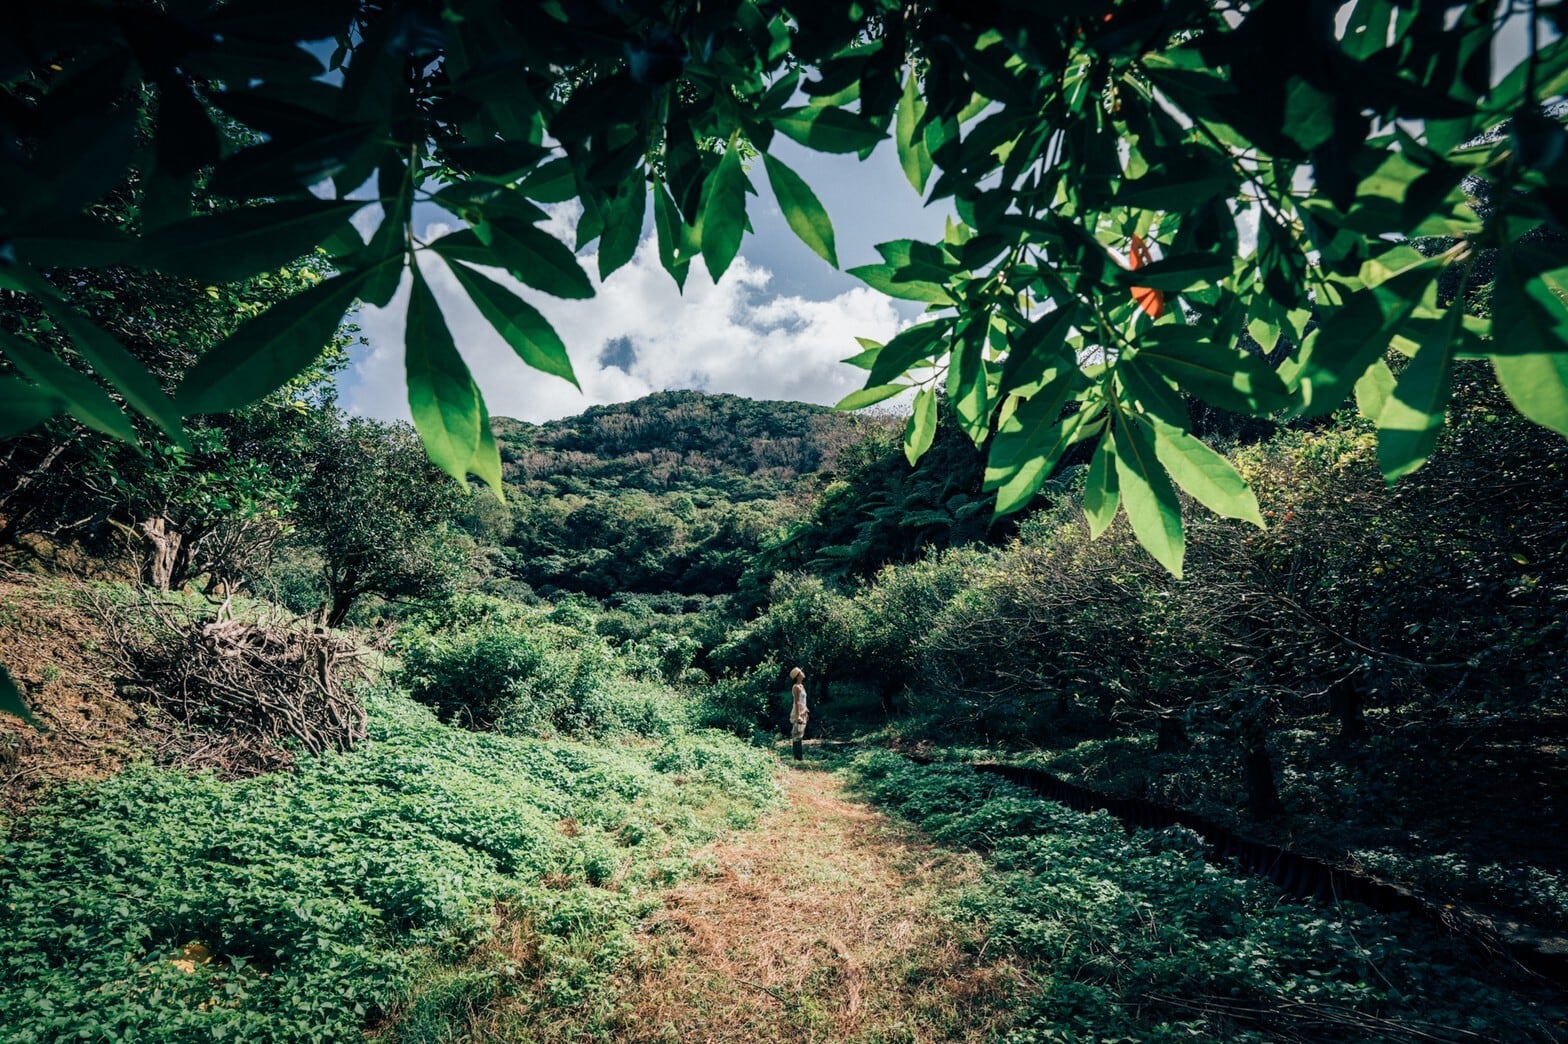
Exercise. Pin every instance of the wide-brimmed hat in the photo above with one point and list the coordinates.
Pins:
(797, 673)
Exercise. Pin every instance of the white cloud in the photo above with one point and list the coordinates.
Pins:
(733, 337)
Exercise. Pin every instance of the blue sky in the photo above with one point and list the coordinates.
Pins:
(775, 327)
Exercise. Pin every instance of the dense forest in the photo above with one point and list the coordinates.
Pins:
(1167, 641)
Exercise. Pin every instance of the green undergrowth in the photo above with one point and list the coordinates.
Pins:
(1136, 937)
(361, 889)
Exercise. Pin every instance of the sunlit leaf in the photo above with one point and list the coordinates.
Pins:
(1148, 497)
(442, 396)
(519, 323)
(802, 210)
(262, 355)
(921, 429)
(1208, 477)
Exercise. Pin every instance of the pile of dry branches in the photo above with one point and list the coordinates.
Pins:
(238, 695)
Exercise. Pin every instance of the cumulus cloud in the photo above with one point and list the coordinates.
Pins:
(638, 335)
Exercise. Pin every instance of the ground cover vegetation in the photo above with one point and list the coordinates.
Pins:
(361, 887)
(1136, 937)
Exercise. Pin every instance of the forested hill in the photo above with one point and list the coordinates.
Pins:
(676, 440)
(674, 492)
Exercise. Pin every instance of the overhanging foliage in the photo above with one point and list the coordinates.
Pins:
(1138, 182)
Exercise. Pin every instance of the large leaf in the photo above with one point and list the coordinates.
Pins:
(921, 429)
(107, 357)
(83, 396)
(1147, 495)
(829, 129)
(1177, 273)
(231, 245)
(881, 277)
(487, 455)
(1225, 376)
(1032, 432)
(1016, 486)
(267, 351)
(857, 400)
(1373, 390)
(804, 212)
(913, 156)
(1101, 493)
(24, 406)
(1413, 415)
(1356, 334)
(518, 322)
(533, 256)
(1537, 385)
(724, 211)
(1529, 301)
(908, 347)
(442, 395)
(1207, 476)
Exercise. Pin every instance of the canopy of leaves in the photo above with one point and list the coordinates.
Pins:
(1137, 183)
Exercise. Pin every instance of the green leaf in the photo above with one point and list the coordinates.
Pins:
(828, 129)
(724, 211)
(1016, 485)
(1413, 416)
(921, 429)
(1356, 334)
(908, 347)
(1101, 493)
(267, 351)
(1529, 301)
(1177, 273)
(1148, 496)
(518, 322)
(856, 400)
(1227, 377)
(1309, 113)
(1032, 432)
(880, 277)
(802, 209)
(913, 156)
(674, 254)
(442, 395)
(1209, 477)
(24, 406)
(533, 256)
(1373, 390)
(1537, 385)
(486, 462)
(111, 362)
(11, 701)
(231, 245)
(83, 396)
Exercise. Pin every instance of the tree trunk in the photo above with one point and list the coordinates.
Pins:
(165, 558)
(342, 602)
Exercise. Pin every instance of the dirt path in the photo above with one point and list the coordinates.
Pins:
(819, 924)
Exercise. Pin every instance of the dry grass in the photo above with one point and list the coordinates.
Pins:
(819, 924)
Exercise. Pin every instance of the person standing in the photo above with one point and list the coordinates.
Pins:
(798, 712)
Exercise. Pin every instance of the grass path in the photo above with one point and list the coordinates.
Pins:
(822, 923)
